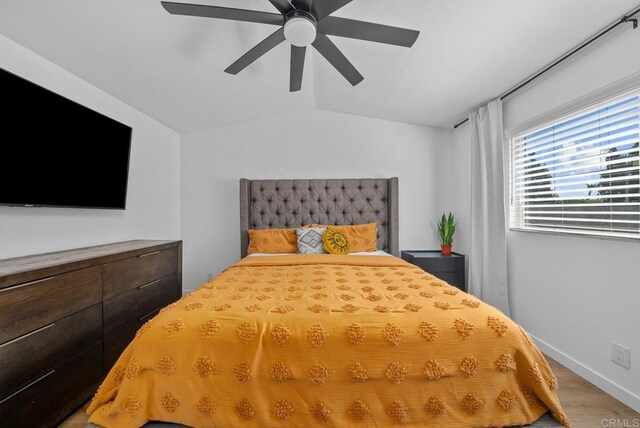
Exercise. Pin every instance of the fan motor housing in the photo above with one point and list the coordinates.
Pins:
(300, 28)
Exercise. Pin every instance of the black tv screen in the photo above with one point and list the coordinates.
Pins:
(55, 152)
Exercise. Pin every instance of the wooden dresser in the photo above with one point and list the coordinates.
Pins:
(65, 317)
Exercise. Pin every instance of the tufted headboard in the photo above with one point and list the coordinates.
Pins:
(293, 203)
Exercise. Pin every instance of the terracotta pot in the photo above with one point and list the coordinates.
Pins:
(446, 250)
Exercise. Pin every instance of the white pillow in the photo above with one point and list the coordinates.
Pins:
(310, 240)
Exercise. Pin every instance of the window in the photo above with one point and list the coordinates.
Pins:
(580, 173)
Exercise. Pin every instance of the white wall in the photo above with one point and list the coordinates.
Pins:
(153, 202)
(574, 294)
(312, 144)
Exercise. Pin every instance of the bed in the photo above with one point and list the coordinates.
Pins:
(327, 340)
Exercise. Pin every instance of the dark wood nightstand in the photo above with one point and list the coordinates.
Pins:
(448, 268)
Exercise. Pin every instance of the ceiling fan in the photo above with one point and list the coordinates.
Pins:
(302, 23)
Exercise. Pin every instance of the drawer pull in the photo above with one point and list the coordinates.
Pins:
(148, 254)
(149, 314)
(28, 283)
(28, 334)
(28, 386)
(149, 284)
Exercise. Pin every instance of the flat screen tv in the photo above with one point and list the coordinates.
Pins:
(55, 152)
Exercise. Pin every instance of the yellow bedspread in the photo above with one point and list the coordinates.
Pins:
(322, 340)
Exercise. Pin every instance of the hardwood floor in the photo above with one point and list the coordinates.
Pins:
(586, 405)
(78, 419)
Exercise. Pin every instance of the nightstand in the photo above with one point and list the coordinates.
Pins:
(448, 268)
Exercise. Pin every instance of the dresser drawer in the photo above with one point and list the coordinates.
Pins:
(29, 306)
(135, 304)
(457, 279)
(118, 340)
(31, 356)
(48, 399)
(441, 264)
(128, 274)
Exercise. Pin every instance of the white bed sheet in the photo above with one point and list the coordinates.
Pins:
(367, 253)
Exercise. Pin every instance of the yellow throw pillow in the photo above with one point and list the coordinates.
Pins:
(335, 242)
(361, 237)
(271, 241)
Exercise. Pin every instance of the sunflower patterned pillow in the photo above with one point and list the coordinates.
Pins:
(335, 241)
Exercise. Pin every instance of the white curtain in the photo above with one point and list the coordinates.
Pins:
(488, 249)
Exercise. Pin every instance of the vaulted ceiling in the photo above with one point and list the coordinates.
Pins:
(171, 67)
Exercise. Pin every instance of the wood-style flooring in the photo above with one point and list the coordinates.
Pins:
(586, 405)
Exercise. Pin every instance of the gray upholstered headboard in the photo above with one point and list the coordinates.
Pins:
(293, 203)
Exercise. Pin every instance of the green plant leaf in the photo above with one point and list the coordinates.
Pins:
(446, 228)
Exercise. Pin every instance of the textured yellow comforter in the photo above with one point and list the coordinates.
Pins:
(322, 340)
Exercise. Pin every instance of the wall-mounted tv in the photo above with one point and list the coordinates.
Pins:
(55, 152)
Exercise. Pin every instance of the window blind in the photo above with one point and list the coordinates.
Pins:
(580, 173)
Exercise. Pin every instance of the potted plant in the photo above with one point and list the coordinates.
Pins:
(446, 229)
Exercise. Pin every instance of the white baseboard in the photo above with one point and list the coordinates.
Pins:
(607, 385)
(185, 292)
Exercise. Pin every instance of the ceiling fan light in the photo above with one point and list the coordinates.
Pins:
(300, 31)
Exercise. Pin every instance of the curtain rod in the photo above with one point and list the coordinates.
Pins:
(625, 19)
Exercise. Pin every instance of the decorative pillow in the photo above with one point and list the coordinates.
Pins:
(270, 241)
(310, 240)
(335, 242)
(361, 237)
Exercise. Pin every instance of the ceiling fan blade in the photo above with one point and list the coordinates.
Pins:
(324, 8)
(256, 52)
(331, 52)
(302, 4)
(223, 13)
(297, 66)
(343, 27)
(282, 5)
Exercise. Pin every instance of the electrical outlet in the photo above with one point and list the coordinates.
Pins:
(209, 276)
(620, 355)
